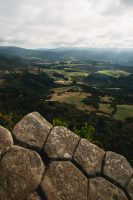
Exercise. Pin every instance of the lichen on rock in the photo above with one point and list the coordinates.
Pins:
(32, 131)
(21, 172)
(61, 143)
(53, 163)
(6, 139)
(117, 168)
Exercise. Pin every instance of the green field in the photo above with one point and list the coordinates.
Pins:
(76, 97)
(106, 108)
(68, 74)
(106, 99)
(114, 73)
(123, 111)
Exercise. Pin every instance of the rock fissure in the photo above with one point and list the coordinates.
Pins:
(84, 172)
(41, 194)
(41, 162)
(47, 138)
(88, 186)
(129, 180)
(3, 153)
(117, 185)
(103, 163)
(76, 148)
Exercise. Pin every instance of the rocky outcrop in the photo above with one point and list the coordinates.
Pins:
(63, 181)
(21, 171)
(89, 157)
(63, 143)
(6, 139)
(32, 131)
(41, 162)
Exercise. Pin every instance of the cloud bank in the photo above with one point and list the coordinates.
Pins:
(71, 23)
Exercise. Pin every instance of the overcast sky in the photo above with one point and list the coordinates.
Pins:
(66, 23)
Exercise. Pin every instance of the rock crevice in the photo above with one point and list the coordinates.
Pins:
(42, 162)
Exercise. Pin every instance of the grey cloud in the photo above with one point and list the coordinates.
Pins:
(127, 2)
(51, 23)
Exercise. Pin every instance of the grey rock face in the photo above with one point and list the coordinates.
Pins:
(130, 188)
(63, 181)
(61, 143)
(100, 189)
(32, 130)
(117, 168)
(21, 172)
(74, 169)
(89, 157)
(6, 139)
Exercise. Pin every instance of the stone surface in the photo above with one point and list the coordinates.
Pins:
(3, 194)
(75, 169)
(21, 172)
(6, 139)
(117, 168)
(61, 143)
(63, 181)
(100, 189)
(89, 157)
(33, 196)
(32, 130)
(130, 188)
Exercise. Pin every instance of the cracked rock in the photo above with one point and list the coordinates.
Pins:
(6, 139)
(89, 157)
(117, 168)
(68, 167)
(130, 188)
(61, 143)
(100, 189)
(21, 172)
(34, 196)
(32, 130)
(63, 181)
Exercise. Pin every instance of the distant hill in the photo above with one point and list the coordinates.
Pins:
(110, 81)
(122, 56)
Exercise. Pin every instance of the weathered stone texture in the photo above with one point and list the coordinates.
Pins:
(21, 172)
(3, 194)
(89, 157)
(63, 181)
(100, 189)
(61, 143)
(75, 169)
(117, 168)
(32, 130)
(33, 196)
(6, 139)
(130, 188)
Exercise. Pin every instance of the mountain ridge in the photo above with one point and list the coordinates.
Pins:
(121, 56)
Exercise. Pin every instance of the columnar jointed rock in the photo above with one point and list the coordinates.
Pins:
(64, 181)
(6, 139)
(89, 157)
(117, 168)
(130, 188)
(100, 189)
(32, 130)
(21, 172)
(33, 196)
(61, 143)
(75, 168)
